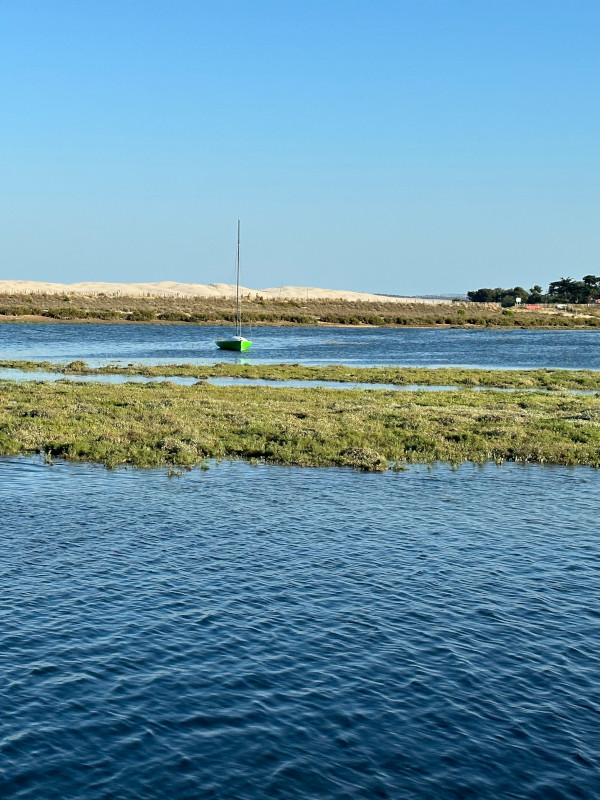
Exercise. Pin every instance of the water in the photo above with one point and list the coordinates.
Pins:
(23, 375)
(155, 344)
(278, 633)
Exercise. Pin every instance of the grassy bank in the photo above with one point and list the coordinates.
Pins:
(157, 425)
(257, 311)
(547, 379)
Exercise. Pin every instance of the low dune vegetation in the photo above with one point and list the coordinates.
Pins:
(546, 379)
(165, 425)
(258, 311)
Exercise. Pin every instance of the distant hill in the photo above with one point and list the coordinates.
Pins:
(216, 290)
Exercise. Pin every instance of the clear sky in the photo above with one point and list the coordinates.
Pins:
(399, 146)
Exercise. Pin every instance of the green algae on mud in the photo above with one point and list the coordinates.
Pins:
(166, 425)
(548, 379)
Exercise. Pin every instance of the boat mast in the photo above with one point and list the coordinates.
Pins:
(238, 310)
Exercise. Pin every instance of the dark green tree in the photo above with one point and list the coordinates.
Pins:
(535, 294)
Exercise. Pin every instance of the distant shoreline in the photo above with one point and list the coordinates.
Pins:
(260, 312)
(24, 320)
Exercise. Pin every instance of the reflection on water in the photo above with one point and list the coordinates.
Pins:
(279, 633)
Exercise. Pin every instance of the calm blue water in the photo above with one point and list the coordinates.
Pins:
(100, 344)
(306, 634)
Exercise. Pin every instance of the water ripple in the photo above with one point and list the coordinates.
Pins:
(320, 634)
(100, 344)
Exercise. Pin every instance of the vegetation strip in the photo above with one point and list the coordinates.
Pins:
(259, 311)
(548, 379)
(163, 425)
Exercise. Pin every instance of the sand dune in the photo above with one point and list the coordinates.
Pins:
(174, 289)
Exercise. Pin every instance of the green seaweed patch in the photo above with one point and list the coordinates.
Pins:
(547, 379)
(165, 425)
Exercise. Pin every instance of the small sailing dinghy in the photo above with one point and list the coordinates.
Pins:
(237, 342)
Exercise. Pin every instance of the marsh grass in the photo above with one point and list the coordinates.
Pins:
(165, 425)
(259, 311)
(546, 379)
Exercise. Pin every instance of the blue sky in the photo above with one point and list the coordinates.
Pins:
(421, 146)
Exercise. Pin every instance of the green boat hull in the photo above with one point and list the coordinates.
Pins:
(234, 344)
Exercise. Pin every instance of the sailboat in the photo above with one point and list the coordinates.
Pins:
(237, 342)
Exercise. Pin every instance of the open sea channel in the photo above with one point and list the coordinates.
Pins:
(155, 344)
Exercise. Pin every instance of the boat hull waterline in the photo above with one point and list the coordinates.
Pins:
(234, 344)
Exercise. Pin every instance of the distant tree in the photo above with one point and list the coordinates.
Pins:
(518, 291)
(535, 294)
(571, 291)
(506, 297)
(486, 295)
(562, 288)
(565, 290)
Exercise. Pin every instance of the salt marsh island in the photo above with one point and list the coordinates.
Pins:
(163, 424)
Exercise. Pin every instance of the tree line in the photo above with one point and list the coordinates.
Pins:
(565, 290)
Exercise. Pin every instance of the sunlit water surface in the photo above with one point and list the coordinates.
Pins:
(155, 344)
(263, 632)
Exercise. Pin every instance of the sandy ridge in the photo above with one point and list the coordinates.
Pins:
(174, 289)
